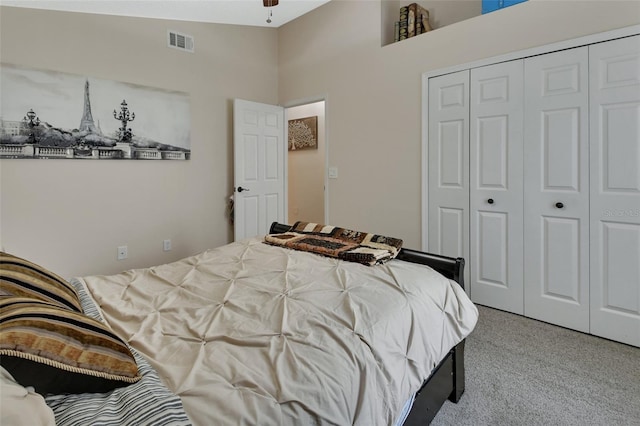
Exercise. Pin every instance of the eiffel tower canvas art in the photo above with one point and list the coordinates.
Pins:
(87, 124)
(50, 115)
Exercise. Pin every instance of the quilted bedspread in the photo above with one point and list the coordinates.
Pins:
(250, 333)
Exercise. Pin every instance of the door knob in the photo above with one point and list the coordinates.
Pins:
(240, 189)
(490, 201)
(559, 205)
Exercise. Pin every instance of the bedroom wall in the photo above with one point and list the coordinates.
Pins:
(71, 215)
(374, 93)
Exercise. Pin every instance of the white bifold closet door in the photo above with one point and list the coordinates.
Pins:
(496, 186)
(556, 189)
(448, 160)
(615, 189)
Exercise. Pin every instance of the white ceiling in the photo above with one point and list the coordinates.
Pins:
(240, 12)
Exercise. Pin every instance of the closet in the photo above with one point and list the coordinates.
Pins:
(534, 178)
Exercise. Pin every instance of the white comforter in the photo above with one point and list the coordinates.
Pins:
(254, 334)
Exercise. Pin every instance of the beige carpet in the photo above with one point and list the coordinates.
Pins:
(525, 372)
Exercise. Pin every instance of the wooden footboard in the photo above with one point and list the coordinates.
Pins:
(446, 382)
(447, 379)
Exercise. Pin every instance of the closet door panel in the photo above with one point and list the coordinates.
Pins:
(496, 186)
(448, 161)
(491, 256)
(556, 189)
(615, 189)
(451, 231)
(560, 261)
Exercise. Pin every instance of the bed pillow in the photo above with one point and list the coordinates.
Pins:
(57, 350)
(22, 278)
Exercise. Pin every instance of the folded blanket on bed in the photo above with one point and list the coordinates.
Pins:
(332, 241)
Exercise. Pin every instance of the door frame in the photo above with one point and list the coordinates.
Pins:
(521, 54)
(299, 102)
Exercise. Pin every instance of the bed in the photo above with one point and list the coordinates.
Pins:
(252, 333)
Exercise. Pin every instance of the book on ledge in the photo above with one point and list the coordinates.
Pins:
(411, 20)
(422, 20)
(403, 23)
(414, 20)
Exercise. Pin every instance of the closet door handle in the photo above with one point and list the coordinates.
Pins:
(240, 189)
(559, 205)
(490, 201)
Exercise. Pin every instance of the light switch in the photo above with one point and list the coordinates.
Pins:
(333, 173)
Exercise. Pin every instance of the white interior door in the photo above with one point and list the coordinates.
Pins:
(259, 150)
(556, 170)
(496, 188)
(615, 189)
(449, 166)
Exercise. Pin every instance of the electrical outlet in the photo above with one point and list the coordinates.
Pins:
(123, 252)
(166, 245)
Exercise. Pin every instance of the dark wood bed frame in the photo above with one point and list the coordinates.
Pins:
(447, 379)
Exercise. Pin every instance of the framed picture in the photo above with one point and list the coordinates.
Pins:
(303, 133)
(55, 115)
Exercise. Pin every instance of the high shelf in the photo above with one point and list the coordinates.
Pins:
(441, 13)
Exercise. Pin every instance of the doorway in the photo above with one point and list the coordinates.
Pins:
(306, 167)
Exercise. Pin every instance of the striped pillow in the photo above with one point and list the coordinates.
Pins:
(57, 350)
(19, 277)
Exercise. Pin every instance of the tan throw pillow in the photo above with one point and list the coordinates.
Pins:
(57, 350)
(20, 277)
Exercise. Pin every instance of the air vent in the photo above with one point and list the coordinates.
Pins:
(180, 41)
